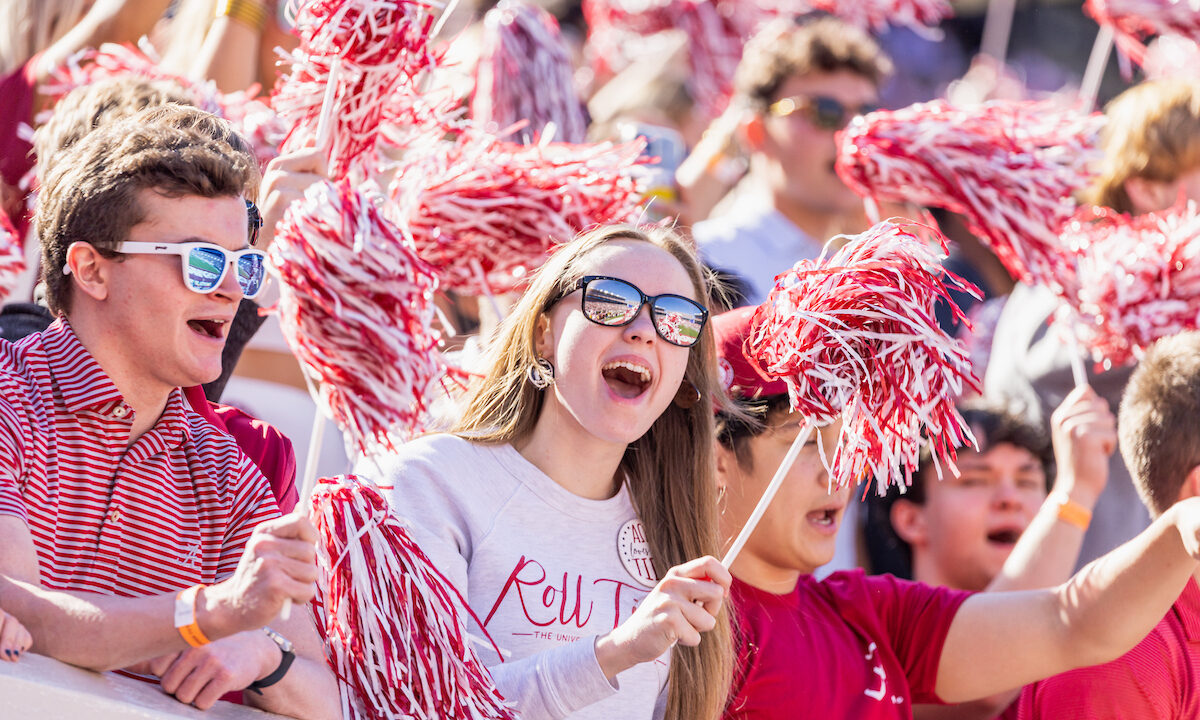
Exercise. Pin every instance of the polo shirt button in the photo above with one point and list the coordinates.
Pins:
(114, 515)
(120, 412)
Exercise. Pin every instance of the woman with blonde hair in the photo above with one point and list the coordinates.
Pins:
(574, 504)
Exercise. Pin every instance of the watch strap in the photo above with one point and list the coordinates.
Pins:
(287, 656)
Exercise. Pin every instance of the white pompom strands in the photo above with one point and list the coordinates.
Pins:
(854, 335)
(393, 634)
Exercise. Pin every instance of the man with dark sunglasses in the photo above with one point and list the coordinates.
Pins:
(797, 85)
(138, 535)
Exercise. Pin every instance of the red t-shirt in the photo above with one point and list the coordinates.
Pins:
(266, 447)
(851, 646)
(1158, 678)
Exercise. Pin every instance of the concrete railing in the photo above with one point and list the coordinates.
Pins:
(40, 688)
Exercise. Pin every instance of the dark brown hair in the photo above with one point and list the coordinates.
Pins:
(92, 193)
(785, 49)
(1156, 424)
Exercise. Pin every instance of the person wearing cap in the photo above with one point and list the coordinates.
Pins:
(868, 647)
(136, 534)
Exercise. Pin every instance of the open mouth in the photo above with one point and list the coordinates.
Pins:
(211, 328)
(627, 379)
(824, 518)
(1004, 537)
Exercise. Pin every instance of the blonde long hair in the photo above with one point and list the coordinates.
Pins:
(670, 470)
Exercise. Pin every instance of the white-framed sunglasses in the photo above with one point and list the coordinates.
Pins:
(205, 264)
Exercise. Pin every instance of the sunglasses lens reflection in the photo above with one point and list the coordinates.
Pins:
(611, 302)
(251, 273)
(678, 320)
(204, 269)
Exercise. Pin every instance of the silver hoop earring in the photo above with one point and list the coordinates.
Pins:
(541, 373)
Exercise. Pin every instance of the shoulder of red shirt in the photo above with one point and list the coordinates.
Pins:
(270, 450)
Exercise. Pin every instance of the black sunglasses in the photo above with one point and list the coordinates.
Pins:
(823, 112)
(615, 302)
(255, 220)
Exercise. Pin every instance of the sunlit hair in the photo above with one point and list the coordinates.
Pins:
(671, 471)
(28, 27)
(1152, 132)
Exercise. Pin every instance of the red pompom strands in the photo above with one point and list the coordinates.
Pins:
(12, 256)
(485, 213)
(854, 335)
(1134, 21)
(525, 73)
(1139, 280)
(355, 306)
(392, 630)
(878, 15)
(368, 50)
(1009, 167)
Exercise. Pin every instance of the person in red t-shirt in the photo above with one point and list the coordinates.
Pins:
(1160, 677)
(869, 647)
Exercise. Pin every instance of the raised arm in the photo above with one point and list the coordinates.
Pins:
(999, 641)
(1085, 436)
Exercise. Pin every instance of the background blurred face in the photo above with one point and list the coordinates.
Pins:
(969, 524)
(612, 383)
(802, 154)
(798, 532)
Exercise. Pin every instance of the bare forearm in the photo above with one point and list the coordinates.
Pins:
(93, 631)
(1048, 550)
(229, 56)
(307, 692)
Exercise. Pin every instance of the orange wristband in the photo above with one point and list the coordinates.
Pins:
(185, 617)
(1072, 512)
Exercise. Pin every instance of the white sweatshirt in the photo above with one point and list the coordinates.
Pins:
(545, 572)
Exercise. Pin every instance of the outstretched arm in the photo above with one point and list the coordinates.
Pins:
(999, 641)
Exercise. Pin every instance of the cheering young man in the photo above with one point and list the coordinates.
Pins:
(137, 535)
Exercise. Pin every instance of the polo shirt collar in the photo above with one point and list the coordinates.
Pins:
(85, 386)
(83, 383)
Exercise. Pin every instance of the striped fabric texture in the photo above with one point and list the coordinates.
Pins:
(174, 509)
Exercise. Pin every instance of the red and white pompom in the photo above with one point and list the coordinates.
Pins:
(392, 631)
(525, 73)
(252, 117)
(485, 213)
(1009, 166)
(854, 335)
(356, 306)
(377, 47)
(879, 15)
(12, 256)
(1135, 21)
(1139, 280)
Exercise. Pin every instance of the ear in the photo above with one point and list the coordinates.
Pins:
(726, 464)
(89, 269)
(908, 521)
(543, 339)
(753, 129)
(1150, 195)
(1191, 485)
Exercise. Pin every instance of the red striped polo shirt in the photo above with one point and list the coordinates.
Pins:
(174, 509)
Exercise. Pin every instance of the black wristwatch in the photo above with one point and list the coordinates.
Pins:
(285, 662)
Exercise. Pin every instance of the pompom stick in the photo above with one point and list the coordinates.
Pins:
(768, 495)
(390, 619)
(1089, 89)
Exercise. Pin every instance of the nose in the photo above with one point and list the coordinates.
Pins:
(1005, 496)
(641, 330)
(229, 287)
